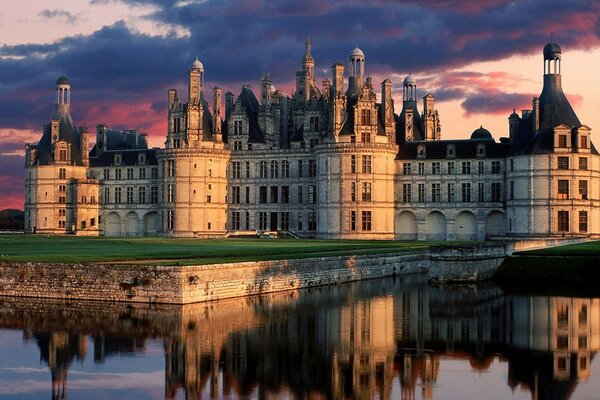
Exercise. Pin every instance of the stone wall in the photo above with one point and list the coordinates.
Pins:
(189, 284)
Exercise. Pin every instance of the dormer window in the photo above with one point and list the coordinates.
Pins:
(583, 142)
(421, 151)
(118, 159)
(237, 127)
(450, 151)
(141, 159)
(562, 141)
(480, 150)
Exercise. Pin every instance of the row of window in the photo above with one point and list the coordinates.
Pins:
(365, 164)
(118, 174)
(563, 189)
(563, 163)
(451, 168)
(273, 221)
(435, 195)
(563, 221)
(277, 169)
(142, 195)
(563, 141)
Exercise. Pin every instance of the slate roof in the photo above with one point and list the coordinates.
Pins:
(418, 133)
(128, 158)
(464, 148)
(67, 132)
(250, 106)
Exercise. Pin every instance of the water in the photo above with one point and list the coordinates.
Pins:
(389, 338)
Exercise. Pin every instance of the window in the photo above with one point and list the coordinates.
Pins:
(563, 162)
(583, 142)
(93, 222)
(274, 194)
(512, 165)
(496, 192)
(237, 127)
(62, 173)
(511, 193)
(285, 169)
(142, 173)
(406, 192)
(436, 195)
(421, 166)
(314, 124)
(466, 192)
(83, 199)
(312, 194)
(262, 220)
(366, 164)
(495, 167)
(583, 221)
(480, 193)
(366, 220)
(236, 170)
(562, 141)
(154, 194)
(300, 168)
(366, 191)
(117, 195)
(93, 199)
(451, 168)
(129, 173)
(562, 342)
(262, 194)
(365, 117)
(247, 194)
(171, 168)
(563, 189)
(235, 220)
(300, 225)
(247, 169)
(312, 168)
(106, 174)
(170, 193)
(237, 145)
(312, 221)
(365, 137)
(274, 169)
(285, 194)
(247, 220)
(170, 219)
(300, 194)
(155, 173)
(583, 316)
(563, 221)
(421, 192)
(466, 167)
(353, 191)
(263, 169)
(583, 189)
(129, 192)
(353, 163)
(405, 168)
(142, 195)
(582, 342)
(480, 168)
(451, 190)
(235, 194)
(117, 174)
(435, 168)
(285, 220)
(352, 220)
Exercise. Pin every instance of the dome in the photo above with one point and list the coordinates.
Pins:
(514, 115)
(357, 52)
(63, 80)
(481, 134)
(197, 64)
(551, 51)
(410, 80)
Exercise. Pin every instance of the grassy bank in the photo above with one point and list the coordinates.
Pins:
(178, 251)
(586, 249)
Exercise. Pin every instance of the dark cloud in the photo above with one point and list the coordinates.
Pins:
(496, 102)
(59, 14)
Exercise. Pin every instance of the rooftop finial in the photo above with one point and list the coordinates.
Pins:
(552, 36)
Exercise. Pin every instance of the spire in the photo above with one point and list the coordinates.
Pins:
(308, 56)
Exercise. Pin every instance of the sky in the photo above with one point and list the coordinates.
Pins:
(480, 59)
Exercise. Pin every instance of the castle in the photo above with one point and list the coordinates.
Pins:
(328, 162)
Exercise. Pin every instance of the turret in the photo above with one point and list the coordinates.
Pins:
(308, 62)
(63, 96)
(387, 103)
(356, 71)
(513, 125)
(84, 142)
(196, 82)
(266, 88)
(216, 119)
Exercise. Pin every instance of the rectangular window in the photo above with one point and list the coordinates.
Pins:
(285, 195)
(106, 195)
(129, 195)
(314, 124)
(263, 169)
(366, 220)
(142, 173)
(480, 192)
(129, 173)
(117, 195)
(247, 169)
(237, 127)
(154, 173)
(495, 167)
(154, 194)
(106, 174)
(583, 189)
(563, 221)
(480, 167)
(583, 163)
(285, 169)
(353, 191)
(496, 192)
(142, 195)
(466, 167)
(563, 162)
(274, 169)
(511, 193)
(466, 192)
(262, 220)
(421, 166)
(451, 192)
(563, 189)
(170, 219)
(365, 137)
(235, 194)
(365, 117)
(312, 221)
(247, 194)
(583, 142)
(562, 141)
(451, 168)
(353, 163)
(435, 168)
(436, 195)
(170, 193)
(170, 168)
(405, 168)
(62, 173)
(366, 164)
(285, 220)
(300, 169)
(352, 220)
(300, 224)
(236, 169)
(274, 194)
(262, 195)
(421, 192)
(406, 192)
(366, 191)
(312, 194)
(300, 195)
(235, 220)
(117, 174)
(247, 220)
(583, 221)
(312, 168)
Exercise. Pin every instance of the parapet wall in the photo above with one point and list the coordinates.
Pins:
(190, 284)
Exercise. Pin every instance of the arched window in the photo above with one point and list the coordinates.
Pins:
(285, 169)
(263, 169)
(274, 169)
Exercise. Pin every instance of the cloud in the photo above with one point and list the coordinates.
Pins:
(59, 14)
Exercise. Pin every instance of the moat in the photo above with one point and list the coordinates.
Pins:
(384, 338)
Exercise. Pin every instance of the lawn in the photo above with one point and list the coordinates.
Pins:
(180, 251)
(589, 249)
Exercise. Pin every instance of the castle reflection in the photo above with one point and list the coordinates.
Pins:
(352, 341)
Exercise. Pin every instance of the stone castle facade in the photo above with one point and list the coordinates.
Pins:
(331, 161)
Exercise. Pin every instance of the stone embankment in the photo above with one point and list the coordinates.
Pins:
(191, 284)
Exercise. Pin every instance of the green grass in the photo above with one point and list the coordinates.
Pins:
(179, 251)
(588, 249)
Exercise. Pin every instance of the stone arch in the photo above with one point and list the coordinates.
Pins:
(112, 224)
(406, 226)
(151, 223)
(435, 226)
(495, 224)
(465, 226)
(131, 224)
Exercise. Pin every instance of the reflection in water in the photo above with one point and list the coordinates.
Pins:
(352, 341)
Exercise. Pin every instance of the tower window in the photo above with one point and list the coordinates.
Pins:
(563, 221)
(365, 117)
(562, 141)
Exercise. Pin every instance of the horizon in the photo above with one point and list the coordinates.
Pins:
(479, 60)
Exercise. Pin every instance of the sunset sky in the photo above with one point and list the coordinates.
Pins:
(479, 58)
